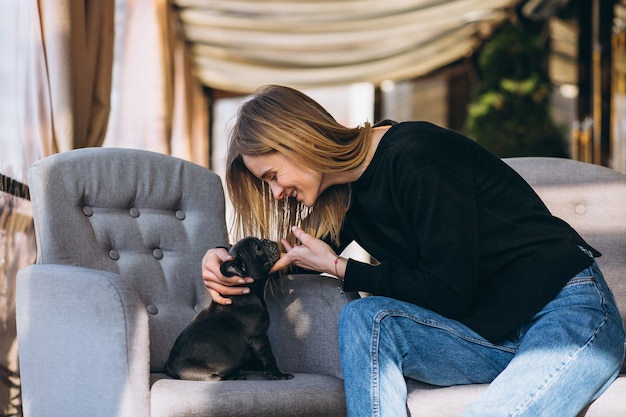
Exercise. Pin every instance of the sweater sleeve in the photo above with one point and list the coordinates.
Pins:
(442, 230)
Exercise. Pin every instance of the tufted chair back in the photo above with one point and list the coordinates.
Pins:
(145, 216)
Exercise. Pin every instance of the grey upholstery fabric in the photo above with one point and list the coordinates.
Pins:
(120, 237)
(83, 343)
(306, 395)
(145, 216)
(592, 199)
(303, 330)
(305, 310)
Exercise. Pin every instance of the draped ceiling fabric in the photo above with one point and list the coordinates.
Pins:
(238, 45)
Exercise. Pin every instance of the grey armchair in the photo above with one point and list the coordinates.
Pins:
(120, 236)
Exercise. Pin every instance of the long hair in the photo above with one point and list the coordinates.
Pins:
(282, 119)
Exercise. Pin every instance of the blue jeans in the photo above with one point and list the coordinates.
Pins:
(553, 366)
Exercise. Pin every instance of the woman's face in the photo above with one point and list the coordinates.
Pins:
(285, 178)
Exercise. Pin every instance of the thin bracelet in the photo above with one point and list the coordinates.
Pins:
(340, 287)
(336, 272)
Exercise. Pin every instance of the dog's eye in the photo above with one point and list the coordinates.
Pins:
(257, 248)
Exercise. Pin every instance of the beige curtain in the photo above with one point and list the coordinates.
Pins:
(240, 44)
(55, 81)
(157, 103)
(78, 41)
(55, 77)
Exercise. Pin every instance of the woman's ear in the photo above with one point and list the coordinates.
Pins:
(232, 268)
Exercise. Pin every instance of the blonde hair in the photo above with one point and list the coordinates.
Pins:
(282, 119)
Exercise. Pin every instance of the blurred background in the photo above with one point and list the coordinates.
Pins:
(521, 77)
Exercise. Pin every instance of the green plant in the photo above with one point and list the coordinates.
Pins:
(511, 114)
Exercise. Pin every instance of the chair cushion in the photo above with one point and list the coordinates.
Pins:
(305, 395)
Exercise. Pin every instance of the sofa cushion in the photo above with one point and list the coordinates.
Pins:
(428, 400)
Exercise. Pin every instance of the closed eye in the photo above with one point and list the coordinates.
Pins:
(268, 176)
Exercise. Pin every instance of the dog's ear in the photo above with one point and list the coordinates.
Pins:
(232, 268)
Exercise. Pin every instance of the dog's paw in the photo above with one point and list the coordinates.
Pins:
(278, 375)
(235, 376)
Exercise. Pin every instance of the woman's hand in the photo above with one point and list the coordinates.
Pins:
(313, 254)
(217, 284)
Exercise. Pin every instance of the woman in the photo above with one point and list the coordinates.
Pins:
(475, 281)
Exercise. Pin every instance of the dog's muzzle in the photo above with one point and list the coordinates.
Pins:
(272, 250)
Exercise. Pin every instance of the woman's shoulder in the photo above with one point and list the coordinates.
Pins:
(421, 129)
(424, 138)
(418, 145)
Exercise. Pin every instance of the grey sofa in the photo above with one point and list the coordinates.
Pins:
(593, 200)
(120, 234)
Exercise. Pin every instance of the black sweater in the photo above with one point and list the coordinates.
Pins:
(457, 231)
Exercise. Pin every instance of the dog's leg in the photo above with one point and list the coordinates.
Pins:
(262, 349)
(201, 374)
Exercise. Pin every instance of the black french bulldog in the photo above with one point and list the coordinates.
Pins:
(221, 340)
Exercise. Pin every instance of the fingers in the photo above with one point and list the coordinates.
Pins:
(299, 233)
(284, 260)
(221, 253)
(217, 297)
(296, 252)
(219, 286)
(219, 292)
(213, 258)
(312, 253)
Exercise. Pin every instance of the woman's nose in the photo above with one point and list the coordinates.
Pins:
(277, 191)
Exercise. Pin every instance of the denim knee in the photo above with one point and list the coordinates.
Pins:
(352, 314)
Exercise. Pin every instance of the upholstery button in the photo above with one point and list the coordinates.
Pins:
(180, 215)
(134, 212)
(152, 309)
(114, 255)
(87, 211)
(157, 253)
(580, 209)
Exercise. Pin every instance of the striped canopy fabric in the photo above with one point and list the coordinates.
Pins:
(238, 45)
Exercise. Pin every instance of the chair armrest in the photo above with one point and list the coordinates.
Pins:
(83, 343)
(304, 311)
